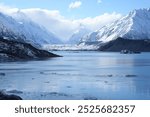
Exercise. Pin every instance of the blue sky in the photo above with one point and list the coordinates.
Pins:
(87, 8)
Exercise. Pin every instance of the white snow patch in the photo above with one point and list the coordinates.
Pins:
(135, 25)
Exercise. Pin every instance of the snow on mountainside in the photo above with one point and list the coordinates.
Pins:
(134, 26)
(78, 34)
(20, 28)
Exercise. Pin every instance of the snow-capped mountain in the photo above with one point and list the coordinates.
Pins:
(134, 26)
(78, 34)
(19, 27)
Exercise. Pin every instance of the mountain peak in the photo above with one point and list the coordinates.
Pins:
(135, 26)
(21, 29)
(145, 12)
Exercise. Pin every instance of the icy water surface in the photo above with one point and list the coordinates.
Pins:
(79, 75)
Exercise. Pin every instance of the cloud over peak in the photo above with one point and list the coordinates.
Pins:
(56, 23)
(75, 4)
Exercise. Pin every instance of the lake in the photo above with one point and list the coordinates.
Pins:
(78, 75)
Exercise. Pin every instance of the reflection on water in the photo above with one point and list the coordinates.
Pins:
(80, 75)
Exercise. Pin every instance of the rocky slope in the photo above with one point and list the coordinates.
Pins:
(4, 96)
(11, 50)
(126, 44)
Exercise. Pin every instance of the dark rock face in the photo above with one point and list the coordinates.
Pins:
(13, 50)
(2, 74)
(126, 44)
(4, 96)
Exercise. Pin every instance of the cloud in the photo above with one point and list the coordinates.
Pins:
(75, 4)
(95, 23)
(57, 23)
(7, 9)
(53, 21)
(61, 26)
(99, 1)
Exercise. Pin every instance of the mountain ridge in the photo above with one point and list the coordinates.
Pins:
(134, 26)
(25, 30)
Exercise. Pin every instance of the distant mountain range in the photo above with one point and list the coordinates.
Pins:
(20, 28)
(78, 34)
(20, 39)
(129, 31)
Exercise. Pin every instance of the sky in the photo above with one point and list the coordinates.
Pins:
(81, 8)
(64, 17)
